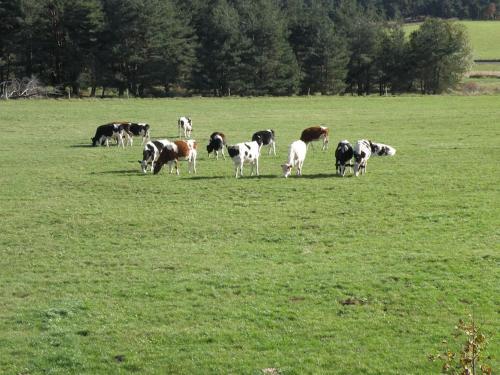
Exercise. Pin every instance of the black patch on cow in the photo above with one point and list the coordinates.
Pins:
(158, 145)
(383, 151)
(246, 153)
(233, 151)
(248, 146)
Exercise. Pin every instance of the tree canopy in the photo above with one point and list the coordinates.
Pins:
(235, 47)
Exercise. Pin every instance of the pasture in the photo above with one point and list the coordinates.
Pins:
(107, 270)
(483, 36)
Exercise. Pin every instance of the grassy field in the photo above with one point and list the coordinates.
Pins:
(483, 36)
(105, 270)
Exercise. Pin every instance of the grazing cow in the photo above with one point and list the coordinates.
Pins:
(265, 138)
(173, 151)
(103, 134)
(362, 152)
(151, 153)
(137, 129)
(343, 155)
(365, 149)
(296, 156)
(315, 133)
(244, 152)
(186, 125)
(216, 143)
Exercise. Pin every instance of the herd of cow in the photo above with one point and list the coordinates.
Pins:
(156, 153)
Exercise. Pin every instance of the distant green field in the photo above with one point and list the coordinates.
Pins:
(486, 67)
(105, 270)
(484, 36)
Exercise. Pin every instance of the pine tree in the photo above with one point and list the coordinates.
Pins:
(268, 63)
(321, 54)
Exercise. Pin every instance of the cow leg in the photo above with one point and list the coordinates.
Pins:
(176, 167)
(222, 150)
(257, 165)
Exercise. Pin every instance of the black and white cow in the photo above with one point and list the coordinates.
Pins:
(185, 125)
(343, 155)
(362, 152)
(138, 130)
(365, 149)
(151, 153)
(380, 149)
(105, 132)
(265, 138)
(216, 143)
(246, 152)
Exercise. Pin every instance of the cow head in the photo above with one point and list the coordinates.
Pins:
(258, 139)
(210, 147)
(358, 162)
(287, 169)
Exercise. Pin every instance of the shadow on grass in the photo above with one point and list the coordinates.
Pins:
(127, 172)
(82, 145)
(319, 175)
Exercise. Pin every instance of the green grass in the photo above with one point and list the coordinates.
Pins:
(484, 36)
(486, 67)
(105, 270)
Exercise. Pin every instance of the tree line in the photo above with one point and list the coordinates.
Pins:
(234, 47)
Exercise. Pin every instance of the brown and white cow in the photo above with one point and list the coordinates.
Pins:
(175, 151)
(315, 133)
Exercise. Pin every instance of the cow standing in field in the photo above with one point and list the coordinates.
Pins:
(175, 151)
(246, 152)
(296, 156)
(185, 125)
(216, 143)
(151, 153)
(315, 133)
(138, 130)
(265, 138)
(365, 149)
(362, 152)
(343, 155)
(105, 132)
